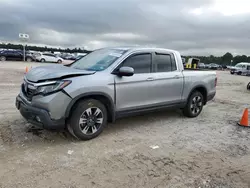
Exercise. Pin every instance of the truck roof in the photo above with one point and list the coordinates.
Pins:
(244, 63)
(138, 48)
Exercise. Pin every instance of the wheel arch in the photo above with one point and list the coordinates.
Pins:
(102, 97)
(202, 89)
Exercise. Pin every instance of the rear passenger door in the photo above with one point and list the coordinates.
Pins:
(168, 84)
(136, 91)
(10, 55)
(47, 57)
(53, 58)
(18, 56)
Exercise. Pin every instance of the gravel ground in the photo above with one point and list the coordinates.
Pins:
(156, 150)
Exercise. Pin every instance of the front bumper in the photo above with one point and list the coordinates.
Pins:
(37, 116)
(233, 71)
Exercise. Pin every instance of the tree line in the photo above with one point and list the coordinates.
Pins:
(226, 59)
(42, 49)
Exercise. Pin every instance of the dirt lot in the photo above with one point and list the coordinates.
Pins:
(208, 151)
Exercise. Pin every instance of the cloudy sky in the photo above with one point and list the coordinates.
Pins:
(194, 27)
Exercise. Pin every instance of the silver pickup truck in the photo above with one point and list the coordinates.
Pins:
(110, 83)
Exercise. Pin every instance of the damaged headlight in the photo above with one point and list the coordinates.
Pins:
(53, 87)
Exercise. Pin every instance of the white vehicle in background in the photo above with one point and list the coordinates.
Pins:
(242, 68)
(48, 57)
(193, 62)
(80, 54)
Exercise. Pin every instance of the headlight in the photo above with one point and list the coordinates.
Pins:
(51, 88)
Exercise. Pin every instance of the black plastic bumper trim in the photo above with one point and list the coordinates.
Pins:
(30, 113)
(211, 96)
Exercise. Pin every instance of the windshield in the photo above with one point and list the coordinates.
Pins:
(98, 60)
(238, 65)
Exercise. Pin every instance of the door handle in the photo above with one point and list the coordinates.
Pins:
(150, 79)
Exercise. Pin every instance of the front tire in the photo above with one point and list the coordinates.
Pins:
(194, 105)
(88, 119)
(59, 61)
(42, 60)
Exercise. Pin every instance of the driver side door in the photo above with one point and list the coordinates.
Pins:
(137, 91)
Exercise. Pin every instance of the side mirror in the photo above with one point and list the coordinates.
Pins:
(126, 71)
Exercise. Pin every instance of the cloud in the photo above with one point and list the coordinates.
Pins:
(201, 27)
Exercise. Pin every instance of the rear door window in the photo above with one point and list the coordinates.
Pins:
(47, 54)
(164, 62)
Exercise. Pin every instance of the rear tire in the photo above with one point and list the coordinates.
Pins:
(239, 73)
(248, 86)
(59, 61)
(88, 119)
(42, 60)
(2, 58)
(194, 105)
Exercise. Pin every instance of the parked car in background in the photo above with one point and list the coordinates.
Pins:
(79, 57)
(65, 55)
(48, 57)
(206, 66)
(70, 57)
(241, 68)
(111, 83)
(213, 66)
(224, 66)
(15, 55)
(79, 54)
(201, 66)
(230, 67)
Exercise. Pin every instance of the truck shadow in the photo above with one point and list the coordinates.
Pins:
(20, 132)
(144, 120)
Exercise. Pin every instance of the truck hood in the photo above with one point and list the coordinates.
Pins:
(43, 73)
(235, 68)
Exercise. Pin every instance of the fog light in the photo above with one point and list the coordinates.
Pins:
(38, 119)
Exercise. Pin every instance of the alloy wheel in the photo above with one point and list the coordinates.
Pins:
(196, 105)
(91, 120)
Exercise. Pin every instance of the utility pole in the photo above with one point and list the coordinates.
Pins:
(24, 38)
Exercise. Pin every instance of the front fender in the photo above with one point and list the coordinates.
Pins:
(93, 95)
